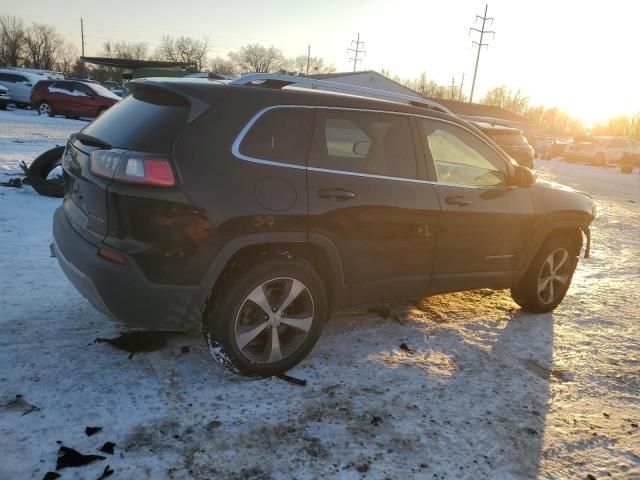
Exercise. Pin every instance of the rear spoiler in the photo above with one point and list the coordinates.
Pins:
(196, 106)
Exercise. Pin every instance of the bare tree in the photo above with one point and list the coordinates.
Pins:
(222, 66)
(11, 40)
(42, 43)
(66, 59)
(316, 65)
(184, 49)
(128, 50)
(512, 100)
(424, 86)
(256, 58)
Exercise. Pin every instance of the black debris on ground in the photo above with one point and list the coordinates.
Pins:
(380, 310)
(213, 424)
(295, 381)
(19, 404)
(51, 476)
(13, 182)
(68, 457)
(107, 448)
(184, 349)
(92, 430)
(135, 342)
(405, 348)
(107, 472)
(376, 420)
(590, 477)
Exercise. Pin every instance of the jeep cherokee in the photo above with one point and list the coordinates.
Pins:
(255, 210)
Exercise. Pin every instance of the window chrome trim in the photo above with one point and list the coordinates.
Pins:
(235, 148)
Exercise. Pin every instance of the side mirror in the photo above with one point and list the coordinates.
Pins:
(28, 84)
(361, 148)
(523, 177)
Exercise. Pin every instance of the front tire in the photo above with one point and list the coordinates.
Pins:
(548, 278)
(266, 315)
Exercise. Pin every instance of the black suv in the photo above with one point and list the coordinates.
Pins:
(255, 210)
(511, 140)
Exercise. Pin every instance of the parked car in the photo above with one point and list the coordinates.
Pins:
(5, 99)
(115, 87)
(255, 211)
(556, 149)
(73, 98)
(47, 74)
(511, 140)
(602, 150)
(19, 84)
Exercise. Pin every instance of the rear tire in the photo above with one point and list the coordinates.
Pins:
(45, 109)
(599, 160)
(270, 339)
(549, 276)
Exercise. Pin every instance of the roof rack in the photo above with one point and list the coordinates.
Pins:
(271, 80)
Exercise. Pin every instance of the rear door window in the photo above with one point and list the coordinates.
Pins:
(149, 120)
(364, 142)
(281, 134)
(60, 87)
(82, 89)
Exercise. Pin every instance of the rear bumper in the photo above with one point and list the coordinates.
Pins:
(122, 292)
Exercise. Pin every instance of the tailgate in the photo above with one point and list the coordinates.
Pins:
(85, 199)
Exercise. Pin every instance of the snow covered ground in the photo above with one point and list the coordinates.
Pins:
(488, 392)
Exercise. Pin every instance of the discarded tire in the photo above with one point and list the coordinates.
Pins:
(39, 171)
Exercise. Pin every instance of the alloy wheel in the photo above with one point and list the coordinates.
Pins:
(274, 320)
(44, 109)
(554, 275)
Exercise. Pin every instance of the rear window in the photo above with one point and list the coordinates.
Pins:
(509, 139)
(146, 121)
(280, 135)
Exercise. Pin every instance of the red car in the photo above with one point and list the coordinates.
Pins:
(72, 98)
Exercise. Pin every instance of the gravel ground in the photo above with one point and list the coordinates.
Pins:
(486, 391)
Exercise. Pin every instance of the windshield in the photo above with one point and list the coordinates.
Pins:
(103, 91)
(510, 139)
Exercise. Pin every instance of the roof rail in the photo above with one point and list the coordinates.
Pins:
(277, 80)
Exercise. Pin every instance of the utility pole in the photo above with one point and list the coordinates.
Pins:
(482, 31)
(84, 72)
(453, 86)
(308, 57)
(460, 91)
(356, 51)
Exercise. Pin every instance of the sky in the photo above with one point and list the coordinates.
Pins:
(576, 55)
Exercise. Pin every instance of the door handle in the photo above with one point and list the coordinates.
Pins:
(336, 194)
(459, 201)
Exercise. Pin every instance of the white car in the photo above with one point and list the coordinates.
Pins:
(19, 83)
(602, 151)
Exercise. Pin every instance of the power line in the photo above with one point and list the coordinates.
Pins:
(482, 31)
(308, 57)
(356, 51)
(460, 91)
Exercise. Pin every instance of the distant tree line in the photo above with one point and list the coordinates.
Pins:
(41, 46)
(34, 46)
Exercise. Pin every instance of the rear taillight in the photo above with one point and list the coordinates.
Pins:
(132, 167)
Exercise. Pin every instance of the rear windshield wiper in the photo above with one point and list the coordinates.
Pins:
(92, 141)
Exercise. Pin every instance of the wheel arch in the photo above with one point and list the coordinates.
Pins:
(576, 230)
(317, 249)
